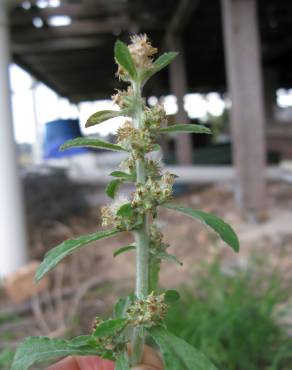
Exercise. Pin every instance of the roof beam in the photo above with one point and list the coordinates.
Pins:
(21, 17)
(77, 28)
(55, 45)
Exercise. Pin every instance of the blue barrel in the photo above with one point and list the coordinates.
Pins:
(56, 133)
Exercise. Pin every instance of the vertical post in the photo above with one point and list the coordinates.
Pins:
(244, 74)
(179, 87)
(13, 250)
(37, 149)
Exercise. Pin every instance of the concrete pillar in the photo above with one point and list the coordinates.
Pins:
(13, 247)
(179, 87)
(244, 74)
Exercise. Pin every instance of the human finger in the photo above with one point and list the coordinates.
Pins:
(94, 363)
(68, 363)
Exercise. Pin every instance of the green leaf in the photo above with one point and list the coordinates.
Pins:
(156, 148)
(40, 349)
(122, 305)
(171, 296)
(122, 363)
(109, 327)
(125, 210)
(123, 175)
(124, 58)
(224, 230)
(119, 251)
(161, 62)
(178, 354)
(188, 128)
(104, 115)
(91, 143)
(169, 257)
(113, 187)
(55, 255)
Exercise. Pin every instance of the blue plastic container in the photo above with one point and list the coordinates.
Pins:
(56, 133)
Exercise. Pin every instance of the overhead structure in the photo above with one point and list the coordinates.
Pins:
(13, 247)
(69, 48)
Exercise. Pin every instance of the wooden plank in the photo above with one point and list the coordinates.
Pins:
(179, 87)
(243, 67)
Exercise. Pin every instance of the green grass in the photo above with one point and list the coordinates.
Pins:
(234, 318)
(6, 357)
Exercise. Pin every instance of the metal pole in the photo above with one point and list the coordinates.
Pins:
(13, 247)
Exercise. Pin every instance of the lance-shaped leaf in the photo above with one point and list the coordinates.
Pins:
(188, 128)
(55, 255)
(113, 187)
(104, 115)
(109, 327)
(119, 251)
(41, 349)
(91, 143)
(124, 175)
(124, 58)
(224, 230)
(161, 62)
(178, 354)
(168, 257)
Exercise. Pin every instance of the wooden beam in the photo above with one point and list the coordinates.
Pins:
(55, 45)
(21, 16)
(76, 29)
(244, 73)
(178, 86)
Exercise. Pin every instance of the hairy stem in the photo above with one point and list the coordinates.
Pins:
(142, 242)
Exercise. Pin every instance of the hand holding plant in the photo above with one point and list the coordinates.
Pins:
(142, 314)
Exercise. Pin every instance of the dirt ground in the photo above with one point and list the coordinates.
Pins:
(88, 282)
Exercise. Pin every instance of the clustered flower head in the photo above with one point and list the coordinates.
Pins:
(123, 98)
(112, 344)
(153, 193)
(147, 312)
(155, 117)
(110, 216)
(156, 241)
(139, 141)
(142, 51)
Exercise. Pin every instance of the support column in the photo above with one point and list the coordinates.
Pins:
(179, 87)
(244, 74)
(13, 248)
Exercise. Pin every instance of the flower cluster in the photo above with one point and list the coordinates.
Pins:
(155, 117)
(110, 344)
(142, 51)
(156, 241)
(153, 193)
(123, 98)
(147, 312)
(138, 141)
(110, 216)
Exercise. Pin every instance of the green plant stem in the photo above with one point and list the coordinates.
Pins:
(142, 242)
